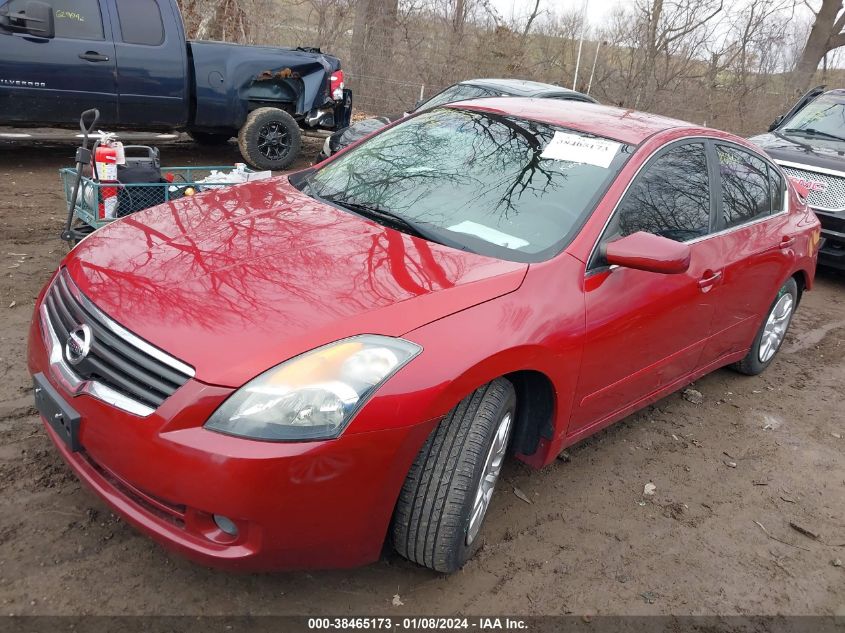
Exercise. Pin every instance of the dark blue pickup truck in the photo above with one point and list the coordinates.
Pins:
(130, 59)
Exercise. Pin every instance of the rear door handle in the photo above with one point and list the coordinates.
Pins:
(787, 241)
(93, 56)
(709, 280)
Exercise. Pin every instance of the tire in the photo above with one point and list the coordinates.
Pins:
(432, 519)
(210, 138)
(760, 355)
(270, 139)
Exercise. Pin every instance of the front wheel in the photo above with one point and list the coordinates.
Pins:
(772, 332)
(448, 490)
(270, 139)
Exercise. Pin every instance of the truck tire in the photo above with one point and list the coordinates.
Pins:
(209, 138)
(270, 139)
(772, 331)
(448, 489)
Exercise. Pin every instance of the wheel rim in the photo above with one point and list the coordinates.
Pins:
(489, 476)
(775, 329)
(273, 141)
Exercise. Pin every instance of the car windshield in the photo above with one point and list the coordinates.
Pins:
(825, 116)
(495, 185)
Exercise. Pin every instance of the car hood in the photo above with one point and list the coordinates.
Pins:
(822, 153)
(236, 280)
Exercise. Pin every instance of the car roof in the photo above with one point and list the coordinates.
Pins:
(523, 87)
(628, 126)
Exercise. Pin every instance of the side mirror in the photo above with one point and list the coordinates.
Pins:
(774, 124)
(37, 19)
(652, 253)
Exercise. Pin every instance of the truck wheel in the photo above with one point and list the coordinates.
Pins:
(270, 139)
(209, 138)
(447, 491)
(772, 332)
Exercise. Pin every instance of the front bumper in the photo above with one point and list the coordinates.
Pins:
(296, 505)
(832, 252)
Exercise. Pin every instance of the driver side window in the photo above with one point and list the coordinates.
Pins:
(671, 198)
(75, 19)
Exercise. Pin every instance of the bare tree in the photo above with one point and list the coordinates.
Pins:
(553, 47)
(332, 20)
(673, 32)
(826, 35)
(375, 23)
(224, 20)
(742, 62)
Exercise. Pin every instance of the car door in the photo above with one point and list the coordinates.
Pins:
(51, 81)
(151, 70)
(645, 331)
(754, 228)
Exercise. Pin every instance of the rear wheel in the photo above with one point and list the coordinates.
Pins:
(772, 332)
(270, 139)
(448, 490)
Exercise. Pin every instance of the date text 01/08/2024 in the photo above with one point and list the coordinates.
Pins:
(417, 623)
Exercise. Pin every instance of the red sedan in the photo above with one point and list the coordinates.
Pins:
(282, 374)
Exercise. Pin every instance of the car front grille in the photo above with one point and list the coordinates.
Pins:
(118, 367)
(827, 191)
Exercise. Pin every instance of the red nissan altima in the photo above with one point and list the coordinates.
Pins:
(287, 373)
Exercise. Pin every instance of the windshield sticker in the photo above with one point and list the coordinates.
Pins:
(489, 235)
(581, 149)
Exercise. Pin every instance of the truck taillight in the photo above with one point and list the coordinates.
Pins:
(336, 85)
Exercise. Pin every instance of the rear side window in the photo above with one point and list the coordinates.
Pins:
(746, 193)
(140, 22)
(777, 187)
(671, 198)
(75, 19)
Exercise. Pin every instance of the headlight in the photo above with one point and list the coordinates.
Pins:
(327, 147)
(314, 395)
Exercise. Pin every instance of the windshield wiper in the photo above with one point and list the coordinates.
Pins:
(808, 131)
(394, 220)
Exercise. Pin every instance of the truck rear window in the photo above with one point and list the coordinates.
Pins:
(140, 22)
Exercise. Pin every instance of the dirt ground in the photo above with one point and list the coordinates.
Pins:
(731, 473)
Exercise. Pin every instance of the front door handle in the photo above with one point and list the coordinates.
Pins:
(709, 280)
(787, 241)
(93, 56)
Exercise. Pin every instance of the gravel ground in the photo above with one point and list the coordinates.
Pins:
(730, 474)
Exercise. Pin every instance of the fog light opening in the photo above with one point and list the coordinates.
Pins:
(226, 524)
